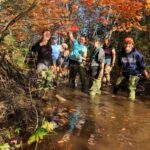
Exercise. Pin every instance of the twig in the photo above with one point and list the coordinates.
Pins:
(36, 146)
(36, 112)
(19, 16)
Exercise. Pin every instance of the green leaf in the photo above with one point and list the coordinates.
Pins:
(5, 146)
(38, 135)
(17, 131)
(49, 126)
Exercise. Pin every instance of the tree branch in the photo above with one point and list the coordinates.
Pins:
(19, 16)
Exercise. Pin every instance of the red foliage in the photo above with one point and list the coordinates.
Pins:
(74, 28)
(89, 2)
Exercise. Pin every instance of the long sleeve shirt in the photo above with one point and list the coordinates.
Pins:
(131, 63)
(44, 53)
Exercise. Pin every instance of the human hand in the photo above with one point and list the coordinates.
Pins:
(146, 74)
(100, 76)
(112, 65)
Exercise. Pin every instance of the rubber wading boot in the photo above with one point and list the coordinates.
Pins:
(95, 89)
(132, 86)
(118, 82)
(132, 95)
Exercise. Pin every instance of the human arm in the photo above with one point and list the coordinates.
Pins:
(71, 36)
(100, 76)
(32, 53)
(142, 65)
(146, 74)
(35, 48)
(101, 57)
(113, 57)
(119, 62)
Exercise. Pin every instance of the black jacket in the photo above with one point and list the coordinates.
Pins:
(44, 53)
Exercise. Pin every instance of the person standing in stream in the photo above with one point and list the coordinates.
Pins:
(97, 60)
(131, 65)
(77, 58)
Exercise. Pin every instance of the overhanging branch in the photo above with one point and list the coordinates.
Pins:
(19, 16)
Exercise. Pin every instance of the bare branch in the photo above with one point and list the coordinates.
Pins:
(19, 16)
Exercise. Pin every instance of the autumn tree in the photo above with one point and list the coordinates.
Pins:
(110, 16)
(23, 17)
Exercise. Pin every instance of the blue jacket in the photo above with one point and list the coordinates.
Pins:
(55, 51)
(76, 53)
(131, 63)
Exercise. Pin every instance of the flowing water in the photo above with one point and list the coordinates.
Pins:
(108, 123)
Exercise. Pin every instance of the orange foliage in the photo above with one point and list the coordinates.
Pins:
(147, 6)
(46, 14)
(121, 15)
(49, 13)
(125, 14)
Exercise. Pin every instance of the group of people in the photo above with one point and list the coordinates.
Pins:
(51, 54)
(99, 59)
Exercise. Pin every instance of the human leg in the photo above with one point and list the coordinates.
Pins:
(83, 77)
(132, 86)
(96, 84)
(117, 84)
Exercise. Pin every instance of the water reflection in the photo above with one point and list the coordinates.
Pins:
(109, 123)
(131, 109)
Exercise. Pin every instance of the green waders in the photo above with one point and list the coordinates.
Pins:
(118, 82)
(95, 88)
(132, 85)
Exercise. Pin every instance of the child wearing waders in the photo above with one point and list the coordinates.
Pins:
(131, 66)
(96, 67)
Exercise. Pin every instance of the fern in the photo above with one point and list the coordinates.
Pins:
(45, 80)
(46, 128)
(5, 146)
(17, 131)
(38, 135)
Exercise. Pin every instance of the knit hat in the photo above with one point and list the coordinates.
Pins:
(129, 40)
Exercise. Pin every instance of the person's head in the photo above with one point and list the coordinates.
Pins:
(64, 46)
(46, 35)
(66, 53)
(75, 35)
(54, 40)
(82, 40)
(128, 44)
(106, 41)
(97, 42)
